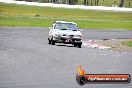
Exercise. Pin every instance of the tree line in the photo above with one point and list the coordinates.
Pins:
(72, 2)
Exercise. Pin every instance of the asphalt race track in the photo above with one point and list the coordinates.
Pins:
(28, 61)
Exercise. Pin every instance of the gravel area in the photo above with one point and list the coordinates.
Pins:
(116, 44)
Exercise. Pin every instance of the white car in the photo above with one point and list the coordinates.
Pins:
(65, 32)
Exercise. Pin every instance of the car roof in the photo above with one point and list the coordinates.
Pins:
(64, 22)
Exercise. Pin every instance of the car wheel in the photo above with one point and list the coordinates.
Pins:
(52, 42)
(49, 41)
(75, 45)
(79, 45)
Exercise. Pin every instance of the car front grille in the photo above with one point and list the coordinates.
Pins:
(71, 36)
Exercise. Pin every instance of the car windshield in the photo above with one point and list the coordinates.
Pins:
(66, 26)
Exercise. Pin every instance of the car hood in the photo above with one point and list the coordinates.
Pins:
(67, 32)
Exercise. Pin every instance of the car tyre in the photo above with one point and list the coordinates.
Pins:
(49, 41)
(75, 44)
(52, 42)
(79, 45)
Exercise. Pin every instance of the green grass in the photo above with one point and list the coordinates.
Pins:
(129, 43)
(23, 15)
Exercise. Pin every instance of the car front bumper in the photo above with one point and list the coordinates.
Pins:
(67, 40)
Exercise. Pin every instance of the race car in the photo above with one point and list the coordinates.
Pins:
(65, 32)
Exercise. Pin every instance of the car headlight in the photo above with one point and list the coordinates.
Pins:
(56, 35)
